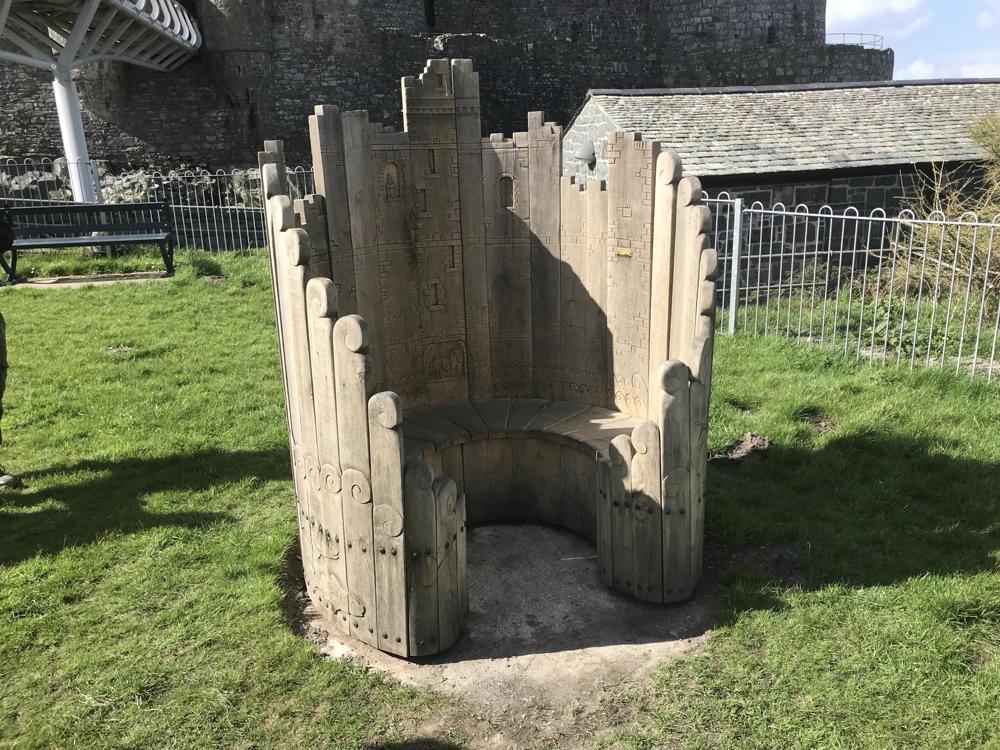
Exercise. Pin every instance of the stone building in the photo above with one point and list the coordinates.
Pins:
(264, 64)
(859, 145)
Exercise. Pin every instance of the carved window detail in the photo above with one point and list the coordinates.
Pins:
(432, 161)
(391, 180)
(506, 191)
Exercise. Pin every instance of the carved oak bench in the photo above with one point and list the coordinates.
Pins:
(551, 343)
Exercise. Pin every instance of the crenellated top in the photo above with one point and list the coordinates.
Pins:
(482, 272)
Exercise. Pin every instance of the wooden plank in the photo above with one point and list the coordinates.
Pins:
(414, 448)
(475, 460)
(364, 236)
(554, 413)
(468, 131)
(550, 473)
(605, 539)
(576, 472)
(701, 386)
(647, 514)
(464, 414)
(311, 214)
(675, 447)
(522, 411)
(574, 298)
(524, 479)
(462, 555)
(693, 221)
(506, 198)
(327, 141)
(494, 413)
(499, 468)
(422, 565)
(321, 300)
(668, 174)
(631, 173)
(429, 117)
(452, 466)
(449, 596)
(586, 485)
(544, 173)
(621, 514)
(597, 292)
(349, 348)
(384, 418)
(431, 418)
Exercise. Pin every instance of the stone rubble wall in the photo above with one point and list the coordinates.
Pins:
(265, 64)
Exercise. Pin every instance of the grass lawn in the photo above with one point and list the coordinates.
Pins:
(138, 596)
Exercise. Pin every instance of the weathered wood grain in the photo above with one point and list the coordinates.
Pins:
(544, 172)
(326, 137)
(450, 601)
(668, 174)
(621, 514)
(647, 513)
(421, 529)
(389, 541)
(605, 537)
(321, 300)
(676, 462)
(350, 363)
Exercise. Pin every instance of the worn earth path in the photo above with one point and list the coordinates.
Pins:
(549, 651)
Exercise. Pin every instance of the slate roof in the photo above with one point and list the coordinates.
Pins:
(749, 130)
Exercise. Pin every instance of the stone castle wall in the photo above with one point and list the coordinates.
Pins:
(264, 65)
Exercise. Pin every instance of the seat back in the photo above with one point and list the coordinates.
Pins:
(482, 272)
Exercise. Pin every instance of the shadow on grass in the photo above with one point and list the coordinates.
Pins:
(864, 510)
(113, 499)
(414, 744)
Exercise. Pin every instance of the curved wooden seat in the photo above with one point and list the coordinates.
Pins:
(467, 336)
(431, 429)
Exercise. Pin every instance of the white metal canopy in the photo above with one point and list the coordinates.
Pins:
(60, 35)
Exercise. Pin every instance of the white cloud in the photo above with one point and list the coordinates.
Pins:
(982, 69)
(912, 26)
(838, 11)
(990, 14)
(917, 70)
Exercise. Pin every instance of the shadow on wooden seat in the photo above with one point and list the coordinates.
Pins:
(467, 335)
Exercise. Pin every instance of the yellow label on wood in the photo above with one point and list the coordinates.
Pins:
(625, 251)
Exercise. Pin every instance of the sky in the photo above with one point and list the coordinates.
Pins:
(932, 38)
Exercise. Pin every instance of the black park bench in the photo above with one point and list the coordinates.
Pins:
(84, 225)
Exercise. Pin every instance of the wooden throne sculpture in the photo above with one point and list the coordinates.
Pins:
(467, 336)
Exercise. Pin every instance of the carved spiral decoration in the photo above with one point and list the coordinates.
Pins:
(296, 243)
(331, 478)
(313, 474)
(357, 485)
(674, 375)
(321, 297)
(446, 492)
(386, 408)
(644, 436)
(352, 332)
(388, 520)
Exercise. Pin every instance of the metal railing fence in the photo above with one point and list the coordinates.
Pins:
(214, 211)
(893, 290)
(868, 41)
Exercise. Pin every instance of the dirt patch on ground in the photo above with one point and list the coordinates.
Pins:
(749, 447)
(549, 652)
(822, 423)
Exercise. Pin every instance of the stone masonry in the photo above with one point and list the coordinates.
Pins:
(264, 64)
